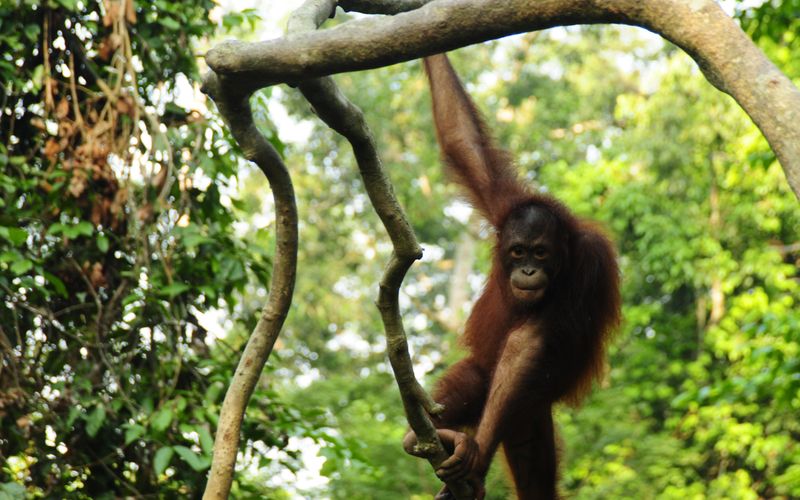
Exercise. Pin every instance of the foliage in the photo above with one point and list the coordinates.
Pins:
(116, 240)
(771, 21)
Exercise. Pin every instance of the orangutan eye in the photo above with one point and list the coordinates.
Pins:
(517, 252)
(540, 253)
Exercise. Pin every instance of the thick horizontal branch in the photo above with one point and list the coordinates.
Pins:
(728, 58)
(381, 6)
(380, 41)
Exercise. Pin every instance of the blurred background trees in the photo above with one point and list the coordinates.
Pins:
(135, 247)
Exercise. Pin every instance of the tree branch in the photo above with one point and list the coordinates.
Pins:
(344, 117)
(728, 58)
(381, 6)
(234, 106)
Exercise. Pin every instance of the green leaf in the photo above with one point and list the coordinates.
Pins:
(84, 228)
(12, 491)
(162, 459)
(162, 418)
(134, 432)
(170, 23)
(206, 439)
(174, 289)
(74, 413)
(130, 298)
(32, 32)
(95, 420)
(21, 266)
(209, 292)
(54, 280)
(56, 228)
(193, 240)
(102, 243)
(195, 461)
(213, 392)
(147, 405)
(69, 4)
(14, 235)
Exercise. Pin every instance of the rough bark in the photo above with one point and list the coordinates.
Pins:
(728, 58)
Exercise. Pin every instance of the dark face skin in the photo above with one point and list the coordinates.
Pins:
(530, 253)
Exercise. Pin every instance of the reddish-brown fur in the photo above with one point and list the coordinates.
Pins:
(551, 351)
